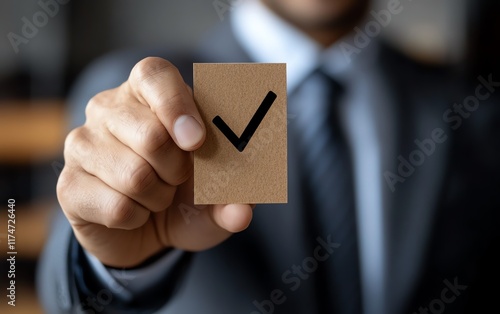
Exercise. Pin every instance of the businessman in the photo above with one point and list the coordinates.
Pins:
(393, 181)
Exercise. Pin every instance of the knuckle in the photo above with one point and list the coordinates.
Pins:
(64, 185)
(120, 211)
(149, 66)
(154, 137)
(75, 139)
(67, 191)
(92, 105)
(96, 103)
(139, 177)
(76, 145)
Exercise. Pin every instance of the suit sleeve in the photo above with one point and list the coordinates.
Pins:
(67, 283)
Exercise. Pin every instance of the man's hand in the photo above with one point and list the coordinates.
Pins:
(129, 167)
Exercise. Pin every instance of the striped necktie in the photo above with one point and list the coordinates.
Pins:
(328, 186)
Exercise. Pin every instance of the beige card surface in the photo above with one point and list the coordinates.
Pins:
(244, 157)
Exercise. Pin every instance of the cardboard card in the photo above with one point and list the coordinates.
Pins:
(244, 157)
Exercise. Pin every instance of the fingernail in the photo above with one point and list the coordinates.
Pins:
(188, 131)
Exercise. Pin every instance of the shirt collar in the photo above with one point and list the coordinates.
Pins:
(269, 39)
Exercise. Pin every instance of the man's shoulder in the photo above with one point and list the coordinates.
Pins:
(412, 71)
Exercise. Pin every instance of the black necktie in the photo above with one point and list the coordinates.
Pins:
(328, 184)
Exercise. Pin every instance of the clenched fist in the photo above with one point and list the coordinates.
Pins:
(128, 172)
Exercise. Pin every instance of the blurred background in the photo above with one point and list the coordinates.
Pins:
(37, 70)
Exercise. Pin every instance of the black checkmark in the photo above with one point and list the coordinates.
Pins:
(241, 142)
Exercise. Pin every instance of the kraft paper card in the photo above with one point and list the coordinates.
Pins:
(244, 157)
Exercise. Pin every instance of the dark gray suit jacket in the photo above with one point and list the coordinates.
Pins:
(443, 222)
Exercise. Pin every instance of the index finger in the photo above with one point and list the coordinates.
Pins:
(157, 83)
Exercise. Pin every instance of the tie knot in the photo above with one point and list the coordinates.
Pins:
(317, 98)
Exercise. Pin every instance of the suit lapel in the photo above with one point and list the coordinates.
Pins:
(411, 203)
